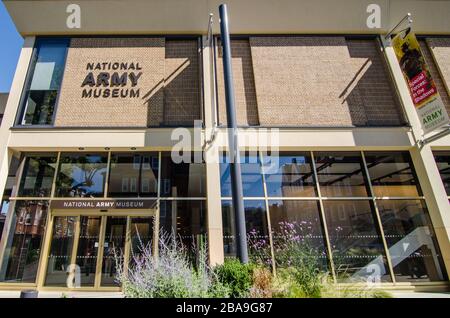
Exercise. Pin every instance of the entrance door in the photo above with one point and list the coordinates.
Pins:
(85, 250)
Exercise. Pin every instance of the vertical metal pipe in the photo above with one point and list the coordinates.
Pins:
(235, 168)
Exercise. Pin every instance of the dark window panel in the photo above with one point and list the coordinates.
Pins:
(341, 174)
(182, 179)
(37, 176)
(357, 248)
(252, 181)
(289, 175)
(412, 244)
(392, 174)
(81, 175)
(443, 163)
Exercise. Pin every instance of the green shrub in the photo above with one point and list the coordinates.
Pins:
(236, 276)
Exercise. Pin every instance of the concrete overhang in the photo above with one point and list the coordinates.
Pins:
(48, 17)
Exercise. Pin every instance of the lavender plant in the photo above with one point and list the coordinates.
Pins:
(170, 275)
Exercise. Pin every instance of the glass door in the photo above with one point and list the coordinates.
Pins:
(85, 250)
(113, 248)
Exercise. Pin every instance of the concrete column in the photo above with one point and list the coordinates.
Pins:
(424, 163)
(211, 153)
(11, 108)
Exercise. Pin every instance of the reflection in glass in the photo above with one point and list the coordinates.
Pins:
(341, 174)
(443, 163)
(133, 175)
(392, 174)
(87, 251)
(182, 179)
(257, 230)
(357, 248)
(252, 183)
(186, 221)
(23, 248)
(37, 175)
(47, 73)
(60, 254)
(411, 241)
(292, 177)
(297, 231)
(141, 235)
(113, 248)
(81, 175)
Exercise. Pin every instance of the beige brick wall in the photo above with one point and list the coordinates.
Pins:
(441, 52)
(322, 81)
(182, 86)
(244, 85)
(169, 85)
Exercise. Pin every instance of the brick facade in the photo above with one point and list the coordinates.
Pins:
(169, 84)
(438, 50)
(322, 81)
(244, 84)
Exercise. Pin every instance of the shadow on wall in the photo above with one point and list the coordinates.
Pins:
(244, 84)
(370, 95)
(175, 100)
(323, 82)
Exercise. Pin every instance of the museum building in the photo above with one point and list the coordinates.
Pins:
(87, 134)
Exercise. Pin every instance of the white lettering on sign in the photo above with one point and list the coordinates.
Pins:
(74, 19)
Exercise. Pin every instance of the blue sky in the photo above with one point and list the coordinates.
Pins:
(10, 45)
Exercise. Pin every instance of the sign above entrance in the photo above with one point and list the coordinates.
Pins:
(104, 204)
(422, 88)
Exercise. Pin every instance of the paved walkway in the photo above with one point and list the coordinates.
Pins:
(397, 294)
(47, 294)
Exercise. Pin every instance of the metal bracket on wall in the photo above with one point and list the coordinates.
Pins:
(437, 136)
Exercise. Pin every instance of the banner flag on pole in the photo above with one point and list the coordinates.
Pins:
(422, 88)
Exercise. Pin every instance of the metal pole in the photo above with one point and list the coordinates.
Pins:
(235, 168)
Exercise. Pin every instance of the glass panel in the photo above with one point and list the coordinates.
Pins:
(45, 82)
(257, 230)
(87, 251)
(60, 254)
(182, 179)
(357, 248)
(392, 174)
(23, 248)
(133, 175)
(292, 177)
(186, 220)
(113, 249)
(411, 241)
(297, 230)
(37, 175)
(251, 175)
(443, 163)
(341, 174)
(141, 235)
(81, 175)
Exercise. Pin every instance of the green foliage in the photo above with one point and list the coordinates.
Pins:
(236, 276)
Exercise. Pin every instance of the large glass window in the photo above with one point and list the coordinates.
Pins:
(443, 163)
(411, 241)
(341, 174)
(185, 220)
(81, 175)
(184, 179)
(358, 252)
(133, 175)
(23, 248)
(289, 175)
(45, 76)
(256, 226)
(37, 176)
(392, 174)
(297, 232)
(252, 183)
(59, 258)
